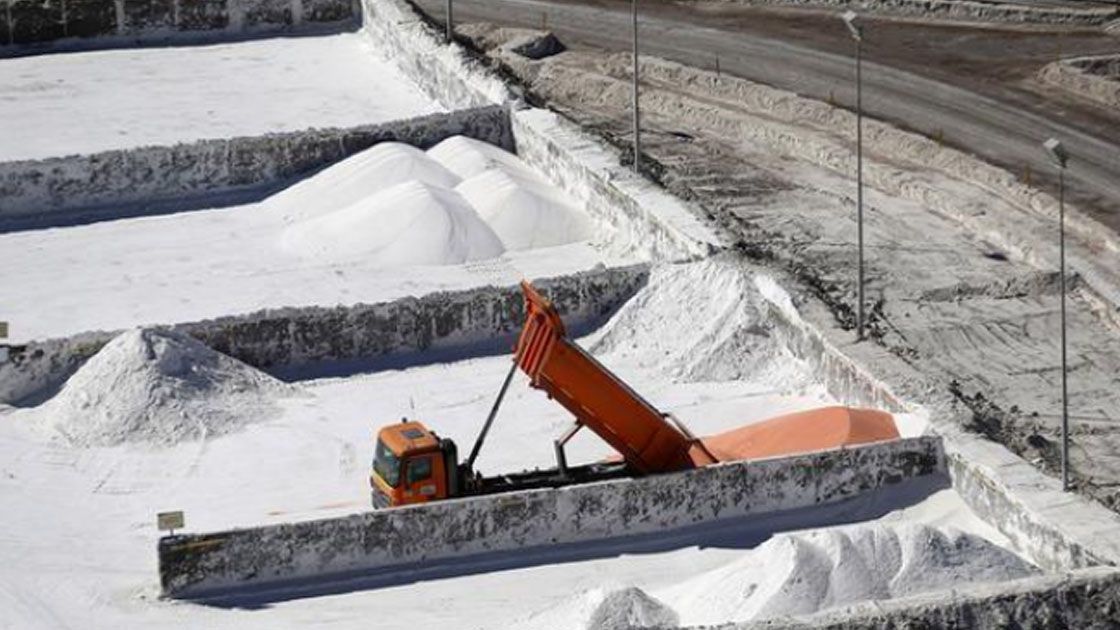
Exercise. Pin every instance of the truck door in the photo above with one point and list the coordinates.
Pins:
(425, 479)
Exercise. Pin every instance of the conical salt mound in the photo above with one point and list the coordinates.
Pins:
(631, 608)
(358, 177)
(408, 224)
(159, 387)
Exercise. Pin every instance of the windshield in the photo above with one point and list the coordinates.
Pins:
(386, 465)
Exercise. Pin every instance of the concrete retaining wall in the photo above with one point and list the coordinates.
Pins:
(153, 180)
(191, 565)
(32, 25)
(447, 73)
(288, 341)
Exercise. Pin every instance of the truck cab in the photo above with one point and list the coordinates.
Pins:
(411, 464)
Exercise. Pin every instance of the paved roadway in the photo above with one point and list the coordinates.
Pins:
(1001, 130)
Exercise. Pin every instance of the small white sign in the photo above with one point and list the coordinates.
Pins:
(170, 521)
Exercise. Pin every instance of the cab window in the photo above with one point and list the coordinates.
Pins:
(386, 465)
(419, 469)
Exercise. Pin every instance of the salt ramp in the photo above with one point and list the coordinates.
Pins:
(293, 556)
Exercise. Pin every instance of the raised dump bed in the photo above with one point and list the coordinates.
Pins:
(295, 555)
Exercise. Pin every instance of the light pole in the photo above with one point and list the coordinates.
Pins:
(850, 19)
(1059, 156)
(449, 35)
(637, 113)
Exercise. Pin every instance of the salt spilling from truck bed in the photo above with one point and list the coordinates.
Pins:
(158, 387)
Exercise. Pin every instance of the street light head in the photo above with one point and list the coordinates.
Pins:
(1057, 152)
(851, 20)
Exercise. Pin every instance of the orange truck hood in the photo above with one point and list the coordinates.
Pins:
(802, 432)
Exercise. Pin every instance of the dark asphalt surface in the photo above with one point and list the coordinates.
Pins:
(1002, 130)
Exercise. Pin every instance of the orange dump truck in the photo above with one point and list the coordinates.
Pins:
(412, 464)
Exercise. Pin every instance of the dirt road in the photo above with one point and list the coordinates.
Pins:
(970, 87)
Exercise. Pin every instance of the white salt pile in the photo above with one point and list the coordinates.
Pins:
(158, 387)
(524, 213)
(408, 224)
(805, 572)
(467, 157)
(729, 336)
(463, 200)
(631, 608)
(358, 177)
(622, 608)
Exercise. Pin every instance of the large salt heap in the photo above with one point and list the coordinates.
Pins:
(409, 224)
(393, 204)
(357, 178)
(805, 572)
(703, 321)
(161, 387)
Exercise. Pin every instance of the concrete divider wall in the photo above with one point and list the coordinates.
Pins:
(449, 74)
(134, 181)
(292, 338)
(844, 378)
(36, 24)
(194, 564)
(645, 220)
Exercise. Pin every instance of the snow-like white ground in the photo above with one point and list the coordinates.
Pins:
(386, 223)
(62, 104)
(80, 546)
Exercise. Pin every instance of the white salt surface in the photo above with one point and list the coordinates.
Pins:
(81, 551)
(380, 225)
(62, 104)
